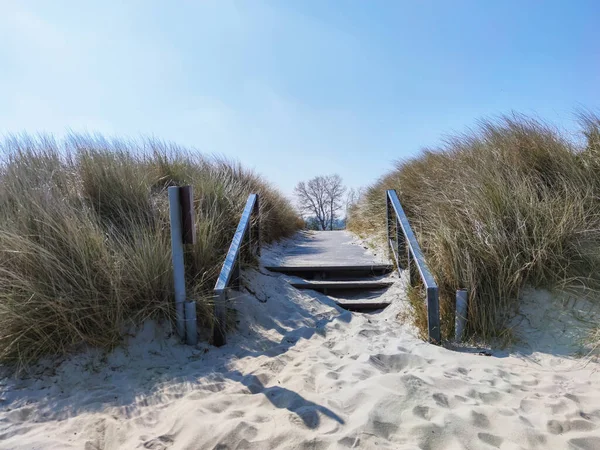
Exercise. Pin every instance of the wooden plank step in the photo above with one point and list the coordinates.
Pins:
(333, 271)
(362, 306)
(343, 285)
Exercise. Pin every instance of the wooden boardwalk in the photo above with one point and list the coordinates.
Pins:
(328, 248)
(334, 263)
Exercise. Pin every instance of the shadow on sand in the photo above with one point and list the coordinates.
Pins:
(97, 381)
(286, 399)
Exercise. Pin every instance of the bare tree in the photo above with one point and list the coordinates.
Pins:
(334, 192)
(352, 198)
(322, 197)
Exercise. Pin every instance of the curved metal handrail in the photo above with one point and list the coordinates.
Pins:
(406, 242)
(231, 270)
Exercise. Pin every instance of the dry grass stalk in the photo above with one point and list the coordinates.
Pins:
(510, 204)
(84, 236)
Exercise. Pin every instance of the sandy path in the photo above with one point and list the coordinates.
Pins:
(301, 373)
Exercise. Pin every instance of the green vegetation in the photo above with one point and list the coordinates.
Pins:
(513, 203)
(85, 239)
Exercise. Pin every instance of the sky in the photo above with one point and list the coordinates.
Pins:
(295, 89)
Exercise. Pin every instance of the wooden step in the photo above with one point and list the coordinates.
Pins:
(328, 286)
(362, 306)
(331, 272)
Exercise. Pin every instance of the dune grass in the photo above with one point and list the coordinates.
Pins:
(85, 243)
(511, 203)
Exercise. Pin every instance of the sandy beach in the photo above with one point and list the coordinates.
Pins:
(302, 373)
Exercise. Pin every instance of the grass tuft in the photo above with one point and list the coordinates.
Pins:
(85, 238)
(511, 203)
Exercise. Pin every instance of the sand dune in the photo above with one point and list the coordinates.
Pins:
(301, 373)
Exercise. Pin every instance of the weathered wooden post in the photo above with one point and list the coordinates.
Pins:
(181, 214)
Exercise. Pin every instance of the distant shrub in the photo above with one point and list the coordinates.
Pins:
(510, 204)
(84, 236)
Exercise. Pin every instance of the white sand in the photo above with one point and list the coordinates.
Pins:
(301, 373)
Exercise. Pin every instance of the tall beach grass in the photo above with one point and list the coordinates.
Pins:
(511, 203)
(84, 236)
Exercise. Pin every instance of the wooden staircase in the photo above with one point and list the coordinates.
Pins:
(355, 288)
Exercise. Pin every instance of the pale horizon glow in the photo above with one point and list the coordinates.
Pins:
(294, 89)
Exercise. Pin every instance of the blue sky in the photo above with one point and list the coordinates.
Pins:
(295, 88)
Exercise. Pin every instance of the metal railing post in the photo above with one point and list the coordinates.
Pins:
(191, 330)
(407, 246)
(231, 272)
(433, 315)
(177, 257)
(460, 320)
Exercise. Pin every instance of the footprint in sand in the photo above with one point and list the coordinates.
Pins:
(396, 363)
(528, 405)
(536, 440)
(558, 408)
(487, 398)
(490, 439)
(530, 383)
(480, 420)
(243, 431)
(560, 427)
(572, 397)
(526, 421)
(422, 412)
(461, 399)
(160, 442)
(368, 333)
(441, 400)
(556, 427)
(412, 383)
(589, 443)
(235, 414)
(582, 425)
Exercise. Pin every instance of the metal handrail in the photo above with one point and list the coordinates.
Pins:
(406, 242)
(230, 275)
